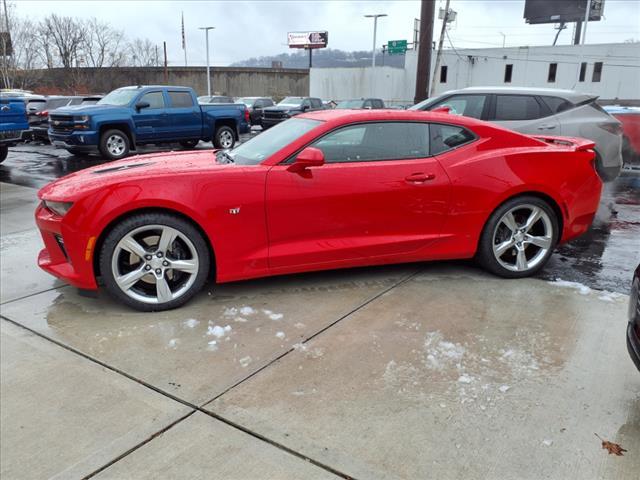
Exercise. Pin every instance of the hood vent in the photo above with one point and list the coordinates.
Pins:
(120, 168)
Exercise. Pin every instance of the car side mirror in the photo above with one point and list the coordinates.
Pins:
(305, 108)
(141, 105)
(309, 157)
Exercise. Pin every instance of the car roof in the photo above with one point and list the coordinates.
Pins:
(355, 116)
(140, 87)
(571, 95)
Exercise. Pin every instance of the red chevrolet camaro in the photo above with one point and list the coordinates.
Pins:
(322, 190)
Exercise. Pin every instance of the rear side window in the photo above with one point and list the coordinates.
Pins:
(467, 105)
(180, 99)
(557, 104)
(376, 142)
(378, 103)
(446, 137)
(154, 99)
(517, 107)
(316, 103)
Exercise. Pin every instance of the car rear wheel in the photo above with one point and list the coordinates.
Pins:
(4, 151)
(154, 261)
(114, 144)
(224, 138)
(189, 143)
(518, 238)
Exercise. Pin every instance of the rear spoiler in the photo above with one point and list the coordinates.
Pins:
(577, 144)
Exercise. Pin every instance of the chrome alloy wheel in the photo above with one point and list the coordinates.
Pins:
(226, 139)
(116, 145)
(155, 264)
(522, 238)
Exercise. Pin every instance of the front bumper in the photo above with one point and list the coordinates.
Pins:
(85, 139)
(270, 122)
(66, 254)
(633, 344)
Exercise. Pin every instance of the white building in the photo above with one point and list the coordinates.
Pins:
(611, 71)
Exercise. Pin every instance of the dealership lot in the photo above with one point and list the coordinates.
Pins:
(364, 373)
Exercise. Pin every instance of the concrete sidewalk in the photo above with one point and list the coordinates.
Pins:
(418, 371)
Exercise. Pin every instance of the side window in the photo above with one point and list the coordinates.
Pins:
(376, 142)
(557, 104)
(316, 103)
(258, 103)
(306, 103)
(367, 104)
(180, 99)
(378, 104)
(446, 137)
(154, 99)
(467, 105)
(517, 107)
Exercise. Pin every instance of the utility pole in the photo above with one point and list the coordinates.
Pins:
(310, 57)
(206, 35)
(425, 46)
(445, 19)
(504, 39)
(166, 72)
(375, 28)
(584, 38)
(576, 33)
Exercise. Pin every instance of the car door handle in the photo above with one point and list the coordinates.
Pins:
(546, 127)
(420, 177)
(5, 107)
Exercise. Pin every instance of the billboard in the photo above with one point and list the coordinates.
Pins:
(556, 11)
(307, 39)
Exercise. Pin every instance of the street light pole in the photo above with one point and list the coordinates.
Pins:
(375, 28)
(206, 35)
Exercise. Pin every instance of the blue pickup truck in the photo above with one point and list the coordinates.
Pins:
(131, 116)
(13, 121)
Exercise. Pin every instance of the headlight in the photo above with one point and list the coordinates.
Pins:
(81, 119)
(59, 208)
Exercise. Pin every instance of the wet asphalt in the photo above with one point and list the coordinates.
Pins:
(602, 259)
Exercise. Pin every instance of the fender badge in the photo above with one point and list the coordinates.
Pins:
(234, 211)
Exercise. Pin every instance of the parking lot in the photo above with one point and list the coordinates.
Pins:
(362, 373)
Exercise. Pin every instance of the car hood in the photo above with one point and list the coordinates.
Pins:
(91, 110)
(132, 169)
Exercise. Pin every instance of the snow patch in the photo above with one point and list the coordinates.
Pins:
(547, 443)
(465, 379)
(173, 343)
(246, 311)
(504, 388)
(582, 289)
(191, 323)
(610, 296)
(280, 335)
(218, 331)
(245, 361)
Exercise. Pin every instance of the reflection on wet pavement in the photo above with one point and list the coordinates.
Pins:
(606, 256)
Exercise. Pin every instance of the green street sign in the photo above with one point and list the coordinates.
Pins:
(397, 47)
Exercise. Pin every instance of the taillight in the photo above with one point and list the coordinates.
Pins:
(611, 127)
(246, 114)
(43, 113)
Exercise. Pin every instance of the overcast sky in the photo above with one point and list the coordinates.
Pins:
(255, 28)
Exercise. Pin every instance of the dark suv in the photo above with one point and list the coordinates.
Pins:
(256, 106)
(633, 329)
(289, 107)
(361, 103)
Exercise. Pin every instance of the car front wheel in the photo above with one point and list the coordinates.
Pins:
(114, 144)
(154, 261)
(518, 238)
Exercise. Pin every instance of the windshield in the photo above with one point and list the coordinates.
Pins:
(247, 101)
(350, 104)
(120, 97)
(270, 141)
(292, 101)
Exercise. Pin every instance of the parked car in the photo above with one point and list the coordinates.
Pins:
(630, 119)
(541, 111)
(327, 189)
(289, 107)
(633, 329)
(328, 104)
(360, 103)
(13, 121)
(215, 99)
(256, 106)
(131, 116)
(39, 125)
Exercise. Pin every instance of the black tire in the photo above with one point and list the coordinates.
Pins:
(110, 153)
(485, 255)
(4, 151)
(189, 144)
(225, 138)
(78, 153)
(126, 226)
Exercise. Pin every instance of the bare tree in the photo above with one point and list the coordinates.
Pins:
(66, 35)
(17, 69)
(142, 53)
(103, 45)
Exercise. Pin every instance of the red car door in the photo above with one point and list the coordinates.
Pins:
(378, 195)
